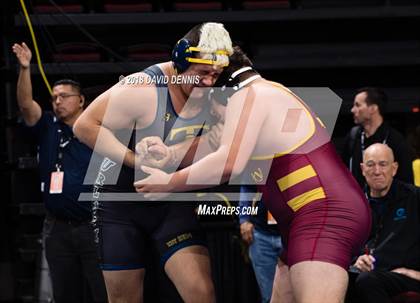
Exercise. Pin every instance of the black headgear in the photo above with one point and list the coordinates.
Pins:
(222, 96)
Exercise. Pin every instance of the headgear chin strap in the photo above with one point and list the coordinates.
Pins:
(182, 56)
(222, 96)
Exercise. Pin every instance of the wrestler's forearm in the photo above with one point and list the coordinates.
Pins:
(103, 142)
(204, 173)
(202, 147)
(109, 146)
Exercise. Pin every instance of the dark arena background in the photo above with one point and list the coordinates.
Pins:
(340, 44)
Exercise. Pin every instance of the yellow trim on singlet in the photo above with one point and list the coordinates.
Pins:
(320, 122)
(303, 141)
(305, 198)
(296, 177)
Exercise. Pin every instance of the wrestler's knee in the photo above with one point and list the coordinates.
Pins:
(121, 295)
(202, 289)
(124, 287)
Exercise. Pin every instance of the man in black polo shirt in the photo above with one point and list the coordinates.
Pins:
(63, 161)
(368, 112)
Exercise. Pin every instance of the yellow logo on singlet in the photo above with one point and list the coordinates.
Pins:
(257, 175)
(190, 131)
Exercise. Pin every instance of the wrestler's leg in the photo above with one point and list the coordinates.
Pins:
(124, 286)
(122, 250)
(189, 269)
(282, 288)
(318, 282)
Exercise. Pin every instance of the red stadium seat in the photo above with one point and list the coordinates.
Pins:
(272, 4)
(197, 6)
(148, 52)
(127, 6)
(407, 297)
(69, 6)
(77, 51)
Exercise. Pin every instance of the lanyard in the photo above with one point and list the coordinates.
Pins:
(362, 147)
(362, 140)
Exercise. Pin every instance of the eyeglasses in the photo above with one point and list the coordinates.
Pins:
(62, 96)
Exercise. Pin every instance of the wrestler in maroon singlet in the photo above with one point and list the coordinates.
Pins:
(321, 211)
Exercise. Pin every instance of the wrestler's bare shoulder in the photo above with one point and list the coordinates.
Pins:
(287, 123)
(275, 95)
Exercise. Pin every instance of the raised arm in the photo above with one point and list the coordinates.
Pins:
(30, 109)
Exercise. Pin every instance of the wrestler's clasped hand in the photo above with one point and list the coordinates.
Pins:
(152, 152)
(156, 186)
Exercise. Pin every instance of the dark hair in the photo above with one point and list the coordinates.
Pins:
(193, 36)
(71, 82)
(376, 96)
(236, 61)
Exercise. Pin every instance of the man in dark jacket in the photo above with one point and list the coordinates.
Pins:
(390, 264)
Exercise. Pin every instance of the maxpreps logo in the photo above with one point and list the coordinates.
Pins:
(215, 210)
(400, 214)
